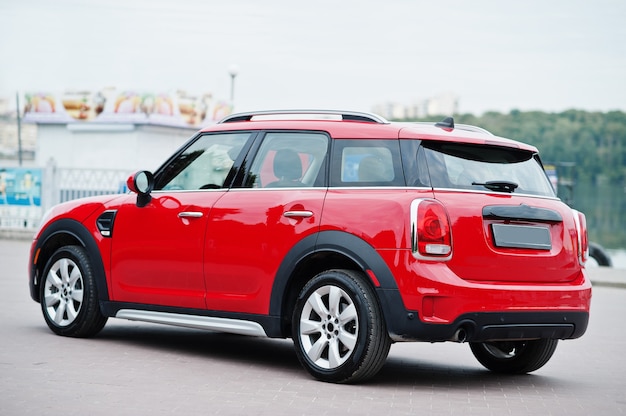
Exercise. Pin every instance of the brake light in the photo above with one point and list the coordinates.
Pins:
(582, 237)
(431, 234)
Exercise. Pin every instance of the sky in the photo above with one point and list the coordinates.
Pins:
(547, 55)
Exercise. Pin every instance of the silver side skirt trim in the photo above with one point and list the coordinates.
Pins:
(233, 326)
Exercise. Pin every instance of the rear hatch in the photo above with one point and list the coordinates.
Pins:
(507, 224)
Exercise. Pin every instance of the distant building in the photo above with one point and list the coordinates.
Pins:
(9, 140)
(4, 106)
(443, 104)
(9, 143)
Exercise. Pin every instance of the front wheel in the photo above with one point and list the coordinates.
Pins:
(69, 298)
(514, 357)
(338, 328)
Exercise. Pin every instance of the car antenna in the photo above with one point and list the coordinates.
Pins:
(446, 123)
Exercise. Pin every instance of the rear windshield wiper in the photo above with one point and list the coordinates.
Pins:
(504, 186)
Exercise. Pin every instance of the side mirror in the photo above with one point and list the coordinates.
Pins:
(141, 182)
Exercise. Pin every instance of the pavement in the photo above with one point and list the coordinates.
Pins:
(608, 276)
(134, 368)
(600, 276)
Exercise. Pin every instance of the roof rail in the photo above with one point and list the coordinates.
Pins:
(304, 114)
(469, 127)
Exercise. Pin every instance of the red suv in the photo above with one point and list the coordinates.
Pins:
(340, 230)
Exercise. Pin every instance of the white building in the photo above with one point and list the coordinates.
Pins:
(89, 143)
(116, 130)
(119, 146)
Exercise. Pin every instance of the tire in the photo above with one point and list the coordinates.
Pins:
(69, 298)
(599, 254)
(338, 328)
(514, 357)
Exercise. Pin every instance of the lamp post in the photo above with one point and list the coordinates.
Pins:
(233, 71)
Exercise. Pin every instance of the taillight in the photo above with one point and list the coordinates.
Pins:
(430, 230)
(582, 238)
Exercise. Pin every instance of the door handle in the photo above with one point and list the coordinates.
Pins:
(189, 214)
(297, 214)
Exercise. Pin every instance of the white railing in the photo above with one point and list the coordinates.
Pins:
(79, 183)
(61, 185)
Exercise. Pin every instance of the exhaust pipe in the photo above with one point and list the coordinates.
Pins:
(459, 336)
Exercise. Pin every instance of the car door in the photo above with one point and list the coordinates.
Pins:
(157, 248)
(252, 228)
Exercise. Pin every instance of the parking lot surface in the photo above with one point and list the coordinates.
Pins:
(143, 369)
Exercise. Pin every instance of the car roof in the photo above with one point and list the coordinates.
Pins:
(353, 125)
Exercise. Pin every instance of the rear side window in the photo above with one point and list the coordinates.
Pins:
(463, 166)
(289, 159)
(366, 163)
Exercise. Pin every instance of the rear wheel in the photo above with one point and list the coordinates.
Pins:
(338, 329)
(69, 298)
(514, 357)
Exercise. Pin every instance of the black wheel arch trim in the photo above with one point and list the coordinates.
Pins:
(78, 231)
(362, 254)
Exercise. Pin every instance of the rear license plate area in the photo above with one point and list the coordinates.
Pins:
(521, 236)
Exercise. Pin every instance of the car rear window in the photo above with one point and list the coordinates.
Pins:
(464, 166)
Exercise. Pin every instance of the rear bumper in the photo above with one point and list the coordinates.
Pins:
(409, 325)
(494, 326)
(436, 305)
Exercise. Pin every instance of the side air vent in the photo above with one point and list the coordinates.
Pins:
(105, 223)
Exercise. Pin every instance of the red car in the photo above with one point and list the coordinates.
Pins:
(340, 230)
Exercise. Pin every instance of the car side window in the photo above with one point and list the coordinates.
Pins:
(205, 164)
(366, 163)
(289, 159)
